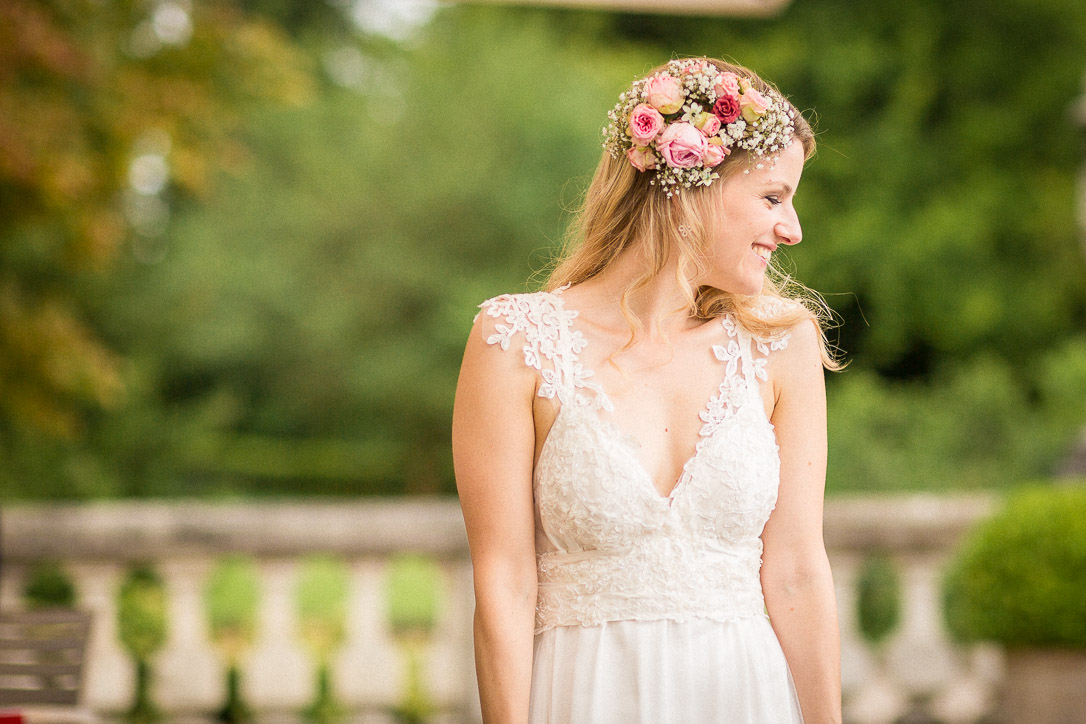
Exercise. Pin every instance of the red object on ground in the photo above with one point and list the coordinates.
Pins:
(11, 717)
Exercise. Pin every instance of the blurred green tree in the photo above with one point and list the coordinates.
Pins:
(299, 329)
(107, 110)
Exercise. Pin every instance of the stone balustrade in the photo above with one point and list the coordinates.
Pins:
(915, 672)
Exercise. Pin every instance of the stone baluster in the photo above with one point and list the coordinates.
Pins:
(367, 671)
(110, 676)
(967, 699)
(11, 585)
(856, 659)
(462, 613)
(190, 674)
(921, 656)
(277, 673)
(871, 696)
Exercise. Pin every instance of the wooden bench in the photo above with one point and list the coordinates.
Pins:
(42, 656)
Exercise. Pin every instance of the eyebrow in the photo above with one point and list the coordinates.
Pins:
(787, 188)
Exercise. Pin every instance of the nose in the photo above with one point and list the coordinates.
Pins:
(788, 229)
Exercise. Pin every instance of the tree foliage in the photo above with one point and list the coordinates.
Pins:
(85, 89)
(297, 326)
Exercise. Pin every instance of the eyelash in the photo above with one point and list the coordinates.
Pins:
(773, 199)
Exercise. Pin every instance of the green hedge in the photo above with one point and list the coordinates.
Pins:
(878, 598)
(1020, 577)
(48, 584)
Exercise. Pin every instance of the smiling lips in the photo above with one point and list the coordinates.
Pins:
(763, 252)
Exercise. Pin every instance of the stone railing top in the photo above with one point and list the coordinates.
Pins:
(915, 522)
(142, 530)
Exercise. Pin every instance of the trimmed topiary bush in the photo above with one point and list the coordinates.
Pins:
(878, 598)
(141, 625)
(47, 585)
(232, 596)
(322, 594)
(412, 600)
(412, 593)
(1020, 577)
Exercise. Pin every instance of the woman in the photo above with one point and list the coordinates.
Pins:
(640, 449)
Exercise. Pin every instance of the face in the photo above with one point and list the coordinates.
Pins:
(756, 216)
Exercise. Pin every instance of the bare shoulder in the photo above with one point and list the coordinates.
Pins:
(803, 348)
(795, 368)
(494, 349)
(492, 424)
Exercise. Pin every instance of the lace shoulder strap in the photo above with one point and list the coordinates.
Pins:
(551, 345)
(771, 308)
(749, 350)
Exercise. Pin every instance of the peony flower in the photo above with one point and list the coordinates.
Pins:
(664, 93)
(707, 123)
(641, 158)
(715, 151)
(753, 105)
(726, 109)
(682, 145)
(727, 84)
(645, 124)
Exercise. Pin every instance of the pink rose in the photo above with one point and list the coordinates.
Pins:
(708, 124)
(664, 93)
(641, 158)
(682, 145)
(753, 105)
(727, 84)
(726, 109)
(645, 123)
(714, 154)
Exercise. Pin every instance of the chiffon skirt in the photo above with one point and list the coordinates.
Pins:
(662, 672)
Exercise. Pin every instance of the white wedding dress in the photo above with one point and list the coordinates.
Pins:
(650, 608)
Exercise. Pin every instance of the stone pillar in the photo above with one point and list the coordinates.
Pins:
(110, 677)
(277, 673)
(921, 656)
(190, 673)
(367, 671)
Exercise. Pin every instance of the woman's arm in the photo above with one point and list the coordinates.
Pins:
(796, 576)
(493, 439)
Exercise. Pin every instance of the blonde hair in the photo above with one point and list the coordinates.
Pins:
(621, 208)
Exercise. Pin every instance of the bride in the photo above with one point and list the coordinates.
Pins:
(640, 448)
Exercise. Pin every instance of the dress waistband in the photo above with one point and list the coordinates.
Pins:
(660, 578)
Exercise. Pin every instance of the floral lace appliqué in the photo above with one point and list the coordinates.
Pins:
(548, 337)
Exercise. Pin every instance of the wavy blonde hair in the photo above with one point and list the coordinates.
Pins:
(621, 208)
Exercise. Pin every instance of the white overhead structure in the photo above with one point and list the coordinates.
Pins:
(749, 8)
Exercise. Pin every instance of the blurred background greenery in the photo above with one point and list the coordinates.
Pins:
(242, 241)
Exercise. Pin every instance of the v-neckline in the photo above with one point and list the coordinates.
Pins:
(631, 442)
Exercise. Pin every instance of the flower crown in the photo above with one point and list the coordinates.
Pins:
(682, 121)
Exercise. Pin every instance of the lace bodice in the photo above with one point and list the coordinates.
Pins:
(609, 545)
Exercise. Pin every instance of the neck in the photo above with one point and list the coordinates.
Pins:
(653, 304)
